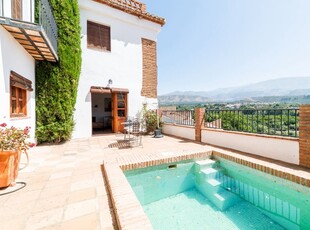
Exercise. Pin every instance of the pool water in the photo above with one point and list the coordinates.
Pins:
(219, 195)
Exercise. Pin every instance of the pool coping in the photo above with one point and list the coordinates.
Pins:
(127, 208)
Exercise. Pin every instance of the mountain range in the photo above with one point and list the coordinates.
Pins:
(292, 86)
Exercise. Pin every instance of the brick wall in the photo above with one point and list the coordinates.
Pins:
(304, 136)
(199, 122)
(149, 81)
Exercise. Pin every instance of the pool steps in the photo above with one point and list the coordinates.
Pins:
(204, 164)
(224, 192)
(209, 181)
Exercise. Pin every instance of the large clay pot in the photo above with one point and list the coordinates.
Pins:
(9, 163)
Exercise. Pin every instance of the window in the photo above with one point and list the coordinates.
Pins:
(18, 94)
(17, 9)
(98, 36)
(18, 102)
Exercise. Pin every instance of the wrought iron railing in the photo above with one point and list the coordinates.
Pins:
(47, 21)
(281, 122)
(185, 117)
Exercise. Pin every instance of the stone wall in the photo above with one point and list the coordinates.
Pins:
(199, 122)
(304, 136)
(149, 82)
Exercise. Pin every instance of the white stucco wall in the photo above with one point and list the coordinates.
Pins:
(278, 148)
(13, 57)
(186, 132)
(123, 65)
(286, 150)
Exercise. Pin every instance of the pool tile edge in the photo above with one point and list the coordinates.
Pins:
(128, 211)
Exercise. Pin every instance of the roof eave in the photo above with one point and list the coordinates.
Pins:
(136, 12)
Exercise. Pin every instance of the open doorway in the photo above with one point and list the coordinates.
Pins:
(101, 112)
(109, 109)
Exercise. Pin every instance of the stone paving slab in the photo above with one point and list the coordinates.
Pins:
(65, 185)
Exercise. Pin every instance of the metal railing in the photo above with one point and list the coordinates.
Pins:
(47, 21)
(280, 122)
(185, 117)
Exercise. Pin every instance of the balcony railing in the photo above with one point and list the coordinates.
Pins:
(280, 122)
(39, 39)
(185, 117)
(47, 21)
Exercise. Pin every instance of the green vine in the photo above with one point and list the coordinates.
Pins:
(56, 83)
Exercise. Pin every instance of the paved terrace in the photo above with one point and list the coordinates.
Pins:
(65, 186)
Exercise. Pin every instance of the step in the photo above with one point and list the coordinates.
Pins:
(202, 164)
(214, 182)
(205, 162)
(224, 199)
(211, 173)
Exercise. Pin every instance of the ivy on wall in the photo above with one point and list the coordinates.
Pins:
(56, 83)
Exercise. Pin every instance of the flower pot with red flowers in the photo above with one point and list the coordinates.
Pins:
(13, 141)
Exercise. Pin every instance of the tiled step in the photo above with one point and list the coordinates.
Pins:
(203, 164)
(211, 173)
(210, 179)
(214, 182)
(224, 199)
(208, 185)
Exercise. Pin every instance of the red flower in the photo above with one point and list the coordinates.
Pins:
(26, 130)
(3, 125)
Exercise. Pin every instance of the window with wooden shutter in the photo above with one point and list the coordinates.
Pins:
(18, 94)
(18, 102)
(17, 9)
(98, 36)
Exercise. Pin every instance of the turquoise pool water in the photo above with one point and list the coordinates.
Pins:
(219, 195)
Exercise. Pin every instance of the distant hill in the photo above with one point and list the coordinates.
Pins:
(183, 99)
(293, 86)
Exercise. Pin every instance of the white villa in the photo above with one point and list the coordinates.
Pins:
(22, 43)
(119, 70)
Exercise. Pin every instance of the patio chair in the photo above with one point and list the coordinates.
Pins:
(135, 134)
(127, 128)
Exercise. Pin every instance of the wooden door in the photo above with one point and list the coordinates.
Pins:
(119, 111)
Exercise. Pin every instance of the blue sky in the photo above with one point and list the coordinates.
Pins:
(209, 44)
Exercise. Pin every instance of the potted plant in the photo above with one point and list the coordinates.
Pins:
(152, 123)
(13, 141)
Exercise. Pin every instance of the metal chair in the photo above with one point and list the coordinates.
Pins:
(135, 134)
(127, 128)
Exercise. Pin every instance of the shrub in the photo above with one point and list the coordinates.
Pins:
(56, 83)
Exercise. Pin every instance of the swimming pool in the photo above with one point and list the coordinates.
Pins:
(221, 194)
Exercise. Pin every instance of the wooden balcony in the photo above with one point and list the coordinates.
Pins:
(38, 39)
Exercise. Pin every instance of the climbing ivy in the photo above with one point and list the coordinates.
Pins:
(56, 83)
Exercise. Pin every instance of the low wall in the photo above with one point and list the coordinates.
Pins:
(279, 148)
(285, 149)
(187, 132)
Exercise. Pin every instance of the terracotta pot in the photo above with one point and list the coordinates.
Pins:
(9, 163)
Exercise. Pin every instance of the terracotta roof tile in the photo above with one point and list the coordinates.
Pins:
(133, 7)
